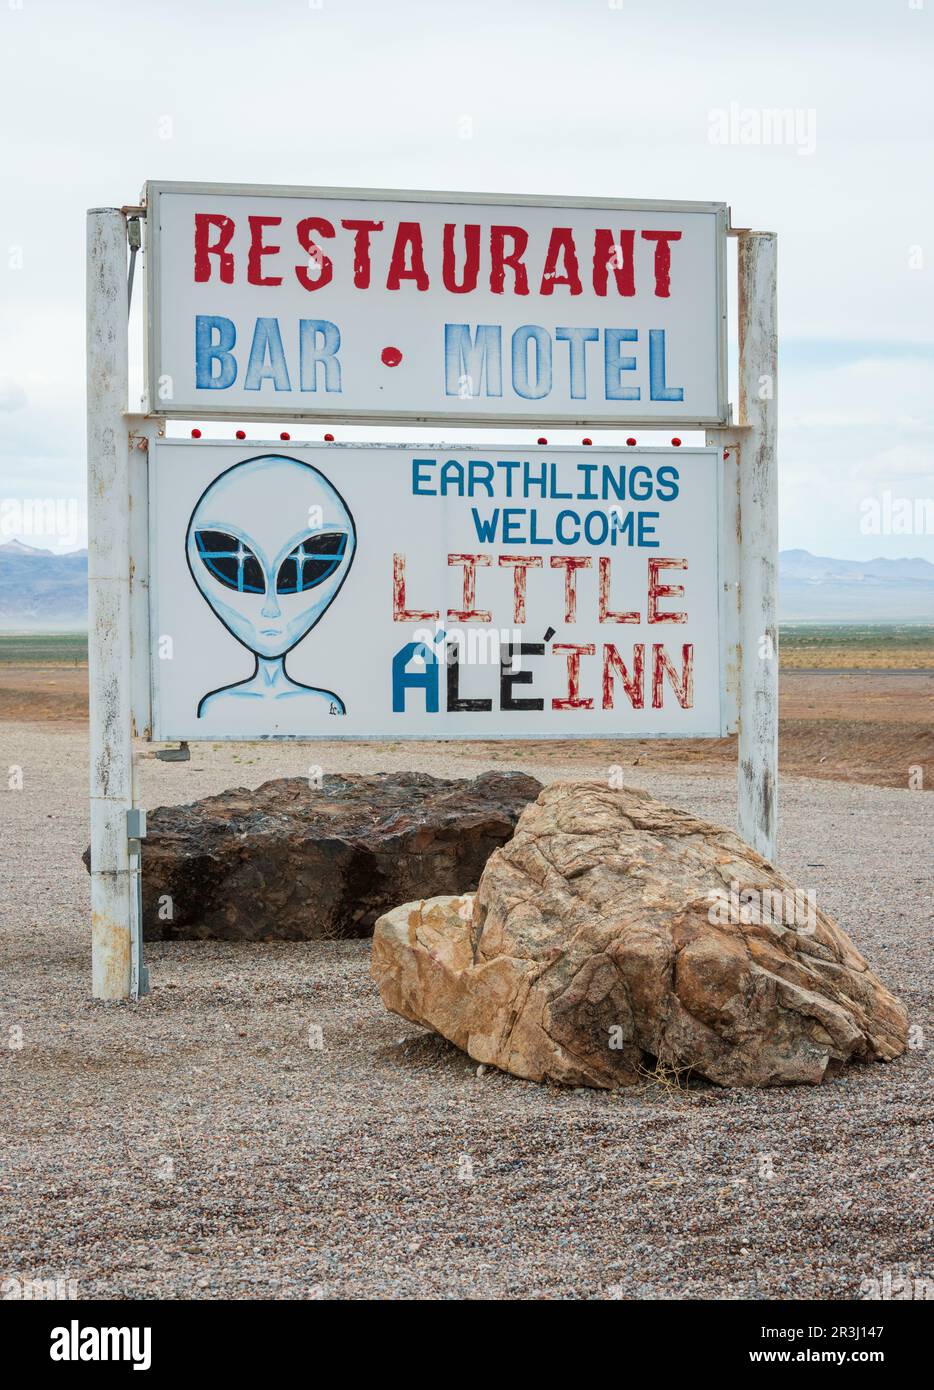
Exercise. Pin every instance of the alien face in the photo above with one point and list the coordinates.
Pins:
(269, 544)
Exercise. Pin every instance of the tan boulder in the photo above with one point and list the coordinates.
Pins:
(612, 931)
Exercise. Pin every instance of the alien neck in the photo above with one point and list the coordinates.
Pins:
(270, 670)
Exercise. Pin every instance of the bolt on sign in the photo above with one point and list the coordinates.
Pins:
(422, 591)
(421, 306)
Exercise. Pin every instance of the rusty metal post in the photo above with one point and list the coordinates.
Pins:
(112, 885)
(758, 555)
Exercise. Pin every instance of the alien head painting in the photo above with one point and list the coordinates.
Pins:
(269, 544)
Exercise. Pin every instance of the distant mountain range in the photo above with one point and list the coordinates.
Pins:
(816, 588)
(42, 591)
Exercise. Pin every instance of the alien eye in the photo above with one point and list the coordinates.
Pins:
(311, 562)
(230, 561)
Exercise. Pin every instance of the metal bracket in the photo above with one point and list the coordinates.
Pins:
(135, 833)
(134, 238)
(181, 754)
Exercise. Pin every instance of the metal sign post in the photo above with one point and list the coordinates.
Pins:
(758, 591)
(112, 887)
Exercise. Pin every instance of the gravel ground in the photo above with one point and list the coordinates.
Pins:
(197, 1146)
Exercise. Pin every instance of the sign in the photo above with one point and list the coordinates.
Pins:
(419, 591)
(355, 304)
(284, 590)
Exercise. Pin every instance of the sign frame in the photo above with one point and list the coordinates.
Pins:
(118, 442)
(154, 189)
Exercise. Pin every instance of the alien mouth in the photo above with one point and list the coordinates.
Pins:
(271, 632)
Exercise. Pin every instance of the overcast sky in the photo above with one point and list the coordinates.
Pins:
(610, 98)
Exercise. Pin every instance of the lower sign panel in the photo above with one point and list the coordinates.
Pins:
(344, 591)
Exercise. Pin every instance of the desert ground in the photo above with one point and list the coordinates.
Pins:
(195, 1145)
(856, 705)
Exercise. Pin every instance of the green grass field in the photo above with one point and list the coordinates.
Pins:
(873, 645)
(895, 635)
(70, 648)
(860, 646)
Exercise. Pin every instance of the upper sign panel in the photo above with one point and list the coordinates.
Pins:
(371, 305)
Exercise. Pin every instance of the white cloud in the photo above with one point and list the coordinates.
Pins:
(565, 97)
(12, 395)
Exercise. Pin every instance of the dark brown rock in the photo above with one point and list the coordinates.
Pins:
(289, 862)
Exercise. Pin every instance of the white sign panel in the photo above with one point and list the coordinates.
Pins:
(425, 592)
(355, 304)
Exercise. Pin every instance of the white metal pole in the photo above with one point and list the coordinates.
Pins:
(758, 565)
(109, 604)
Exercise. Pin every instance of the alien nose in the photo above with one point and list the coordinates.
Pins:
(271, 607)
